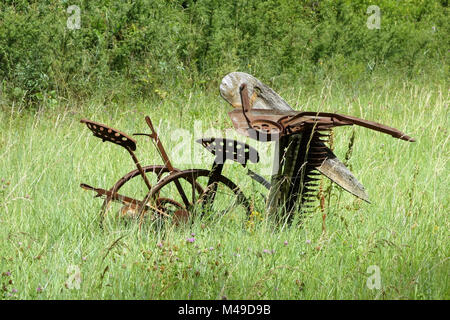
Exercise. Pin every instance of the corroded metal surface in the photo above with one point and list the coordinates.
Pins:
(227, 149)
(290, 122)
(154, 202)
(192, 175)
(107, 133)
(263, 115)
(273, 122)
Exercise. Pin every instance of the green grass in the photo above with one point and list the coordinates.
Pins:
(49, 224)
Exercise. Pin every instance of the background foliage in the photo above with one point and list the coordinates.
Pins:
(165, 59)
(148, 48)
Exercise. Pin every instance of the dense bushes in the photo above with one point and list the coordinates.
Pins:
(146, 47)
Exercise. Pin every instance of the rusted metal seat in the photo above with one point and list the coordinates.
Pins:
(106, 133)
(229, 149)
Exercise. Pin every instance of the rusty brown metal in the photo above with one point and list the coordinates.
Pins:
(227, 149)
(277, 123)
(126, 201)
(192, 175)
(312, 155)
(261, 129)
(288, 122)
(224, 149)
(309, 157)
(155, 137)
(157, 170)
(107, 133)
(327, 120)
(167, 163)
(115, 136)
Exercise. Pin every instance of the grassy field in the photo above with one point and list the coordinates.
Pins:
(53, 248)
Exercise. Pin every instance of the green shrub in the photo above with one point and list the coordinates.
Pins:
(139, 48)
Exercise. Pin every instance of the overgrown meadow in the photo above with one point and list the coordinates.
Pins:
(51, 242)
(51, 239)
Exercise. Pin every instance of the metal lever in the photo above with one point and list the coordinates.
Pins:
(154, 136)
(244, 102)
(142, 134)
(167, 163)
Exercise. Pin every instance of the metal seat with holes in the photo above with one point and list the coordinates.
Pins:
(171, 192)
(227, 149)
(110, 134)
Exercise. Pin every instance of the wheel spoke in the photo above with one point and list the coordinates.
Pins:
(133, 183)
(171, 197)
(182, 194)
(233, 198)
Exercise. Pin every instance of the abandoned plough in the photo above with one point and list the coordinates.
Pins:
(259, 114)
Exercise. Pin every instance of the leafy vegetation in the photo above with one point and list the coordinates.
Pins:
(50, 226)
(142, 48)
(165, 59)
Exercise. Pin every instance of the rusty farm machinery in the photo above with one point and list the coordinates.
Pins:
(259, 113)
